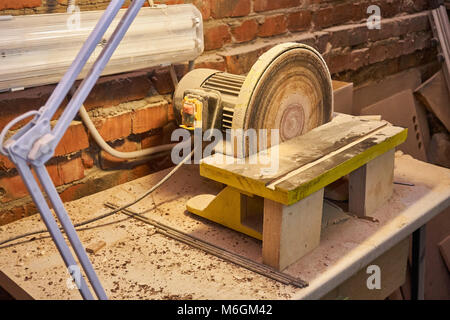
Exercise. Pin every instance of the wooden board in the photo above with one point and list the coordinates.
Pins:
(343, 97)
(310, 162)
(392, 271)
(371, 93)
(444, 248)
(402, 110)
(435, 96)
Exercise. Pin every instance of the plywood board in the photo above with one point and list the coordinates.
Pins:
(371, 93)
(444, 248)
(392, 266)
(402, 110)
(435, 96)
(343, 97)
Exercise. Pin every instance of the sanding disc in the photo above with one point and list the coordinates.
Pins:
(289, 88)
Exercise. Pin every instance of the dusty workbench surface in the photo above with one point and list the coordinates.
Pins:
(139, 263)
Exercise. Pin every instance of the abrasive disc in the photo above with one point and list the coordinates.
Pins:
(289, 88)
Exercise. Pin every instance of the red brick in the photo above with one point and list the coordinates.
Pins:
(151, 117)
(388, 8)
(5, 163)
(12, 215)
(114, 127)
(272, 26)
(170, 113)
(210, 62)
(75, 139)
(359, 11)
(377, 53)
(19, 4)
(240, 61)
(320, 42)
(337, 14)
(347, 35)
(418, 23)
(216, 36)
(415, 6)
(152, 141)
(246, 31)
(171, 2)
(204, 6)
(12, 188)
(266, 5)
(339, 36)
(338, 62)
(108, 161)
(66, 171)
(230, 8)
(387, 30)
(87, 160)
(71, 193)
(13, 104)
(422, 40)
(114, 90)
(298, 21)
(359, 58)
(162, 81)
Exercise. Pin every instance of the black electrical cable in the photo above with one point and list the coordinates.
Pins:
(105, 215)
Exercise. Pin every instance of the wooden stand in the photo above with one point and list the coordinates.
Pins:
(290, 200)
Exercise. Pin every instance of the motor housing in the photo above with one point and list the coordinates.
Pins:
(289, 88)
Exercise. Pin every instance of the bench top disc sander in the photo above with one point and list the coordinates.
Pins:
(289, 88)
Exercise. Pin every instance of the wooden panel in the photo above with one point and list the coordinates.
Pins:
(444, 248)
(343, 97)
(402, 110)
(393, 270)
(290, 232)
(372, 93)
(434, 95)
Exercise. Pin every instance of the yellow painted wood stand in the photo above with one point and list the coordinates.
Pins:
(283, 207)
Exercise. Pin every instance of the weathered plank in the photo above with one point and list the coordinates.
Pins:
(304, 177)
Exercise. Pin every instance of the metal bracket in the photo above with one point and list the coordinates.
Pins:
(34, 144)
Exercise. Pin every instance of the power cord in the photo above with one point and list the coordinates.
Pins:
(146, 194)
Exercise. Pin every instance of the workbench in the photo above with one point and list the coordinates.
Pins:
(139, 263)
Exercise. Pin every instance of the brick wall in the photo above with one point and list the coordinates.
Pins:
(133, 111)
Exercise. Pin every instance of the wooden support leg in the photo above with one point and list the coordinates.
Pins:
(371, 185)
(232, 209)
(289, 232)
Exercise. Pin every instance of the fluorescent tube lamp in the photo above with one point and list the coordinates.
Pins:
(38, 49)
